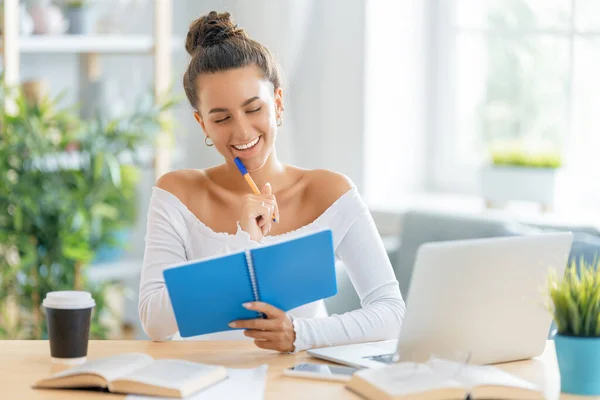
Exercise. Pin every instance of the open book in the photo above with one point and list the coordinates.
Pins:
(137, 373)
(207, 294)
(444, 380)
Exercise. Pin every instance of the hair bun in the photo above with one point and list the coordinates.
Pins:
(211, 30)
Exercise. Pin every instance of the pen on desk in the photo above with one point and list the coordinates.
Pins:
(240, 166)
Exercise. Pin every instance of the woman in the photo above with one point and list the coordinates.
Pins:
(234, 86)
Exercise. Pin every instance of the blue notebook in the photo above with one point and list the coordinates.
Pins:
(208, 294)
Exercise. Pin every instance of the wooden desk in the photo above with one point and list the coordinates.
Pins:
(23, 362)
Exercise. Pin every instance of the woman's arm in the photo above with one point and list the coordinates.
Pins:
(363, 254)
(164, 247)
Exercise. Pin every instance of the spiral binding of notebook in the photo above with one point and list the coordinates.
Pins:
(253, 281)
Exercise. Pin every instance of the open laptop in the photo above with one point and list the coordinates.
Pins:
(480, 301)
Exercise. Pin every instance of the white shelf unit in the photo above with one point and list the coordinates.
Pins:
(74, 160)
(105, 44)
(159, 45)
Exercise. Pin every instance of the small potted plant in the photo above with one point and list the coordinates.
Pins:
(80, 16)
(520, 172)
(575, 306)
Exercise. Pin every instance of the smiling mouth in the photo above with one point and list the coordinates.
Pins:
(246, 146)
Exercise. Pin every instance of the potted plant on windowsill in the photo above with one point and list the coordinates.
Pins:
(517, 173)
(575, 305)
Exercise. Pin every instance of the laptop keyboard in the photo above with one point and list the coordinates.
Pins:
(383, 358)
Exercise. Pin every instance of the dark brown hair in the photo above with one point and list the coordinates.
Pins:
(216, 44)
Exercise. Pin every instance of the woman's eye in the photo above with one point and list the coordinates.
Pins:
(218, 121)
(253, 111)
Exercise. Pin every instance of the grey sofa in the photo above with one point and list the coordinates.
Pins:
(419, 227)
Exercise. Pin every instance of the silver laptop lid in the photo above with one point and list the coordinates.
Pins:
(481, 300)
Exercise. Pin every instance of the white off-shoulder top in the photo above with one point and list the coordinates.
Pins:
(175, 235)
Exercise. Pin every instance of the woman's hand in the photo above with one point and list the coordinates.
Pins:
(274, 333)
(257, 212)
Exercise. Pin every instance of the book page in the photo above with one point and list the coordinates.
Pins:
(172, 374)
(488, 375)
(406, 378)
(247, 384)
(109, 368)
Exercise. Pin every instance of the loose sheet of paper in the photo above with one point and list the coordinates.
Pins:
(248, 384)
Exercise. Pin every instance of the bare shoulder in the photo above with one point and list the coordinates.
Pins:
(327, 186)
(182, 183)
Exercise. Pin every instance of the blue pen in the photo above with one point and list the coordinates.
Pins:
(240, 166)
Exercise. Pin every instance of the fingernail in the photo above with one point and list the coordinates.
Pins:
(247, 305)
(232, 324)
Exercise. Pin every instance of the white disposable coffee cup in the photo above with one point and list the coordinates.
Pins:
(68, 316)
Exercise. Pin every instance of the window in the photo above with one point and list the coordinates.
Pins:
(395, 92)
(526, 70)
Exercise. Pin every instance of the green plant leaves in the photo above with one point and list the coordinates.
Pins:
(520, 154)
(18, 218)
(576, 299)
(527, 160)
(55, 217)
(77, 251)
(114, 170)
(98, 165)
(105, 210)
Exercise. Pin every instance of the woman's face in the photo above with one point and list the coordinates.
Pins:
(238, 110)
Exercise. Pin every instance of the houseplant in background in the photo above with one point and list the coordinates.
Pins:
(61, 186)
(575, 305)
(521, 172)
(122, 144)
(81, 16)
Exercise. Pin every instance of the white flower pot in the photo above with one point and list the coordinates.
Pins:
(81, 20)
(502, 184)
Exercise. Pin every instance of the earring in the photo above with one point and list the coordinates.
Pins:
(279, 121)
(206, 139)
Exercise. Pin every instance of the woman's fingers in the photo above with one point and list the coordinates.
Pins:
(269, 310)
(266, 228)
(263, 335)
(258, 212)
(258, 324)
(263, 208)
(267, 192)
(275, 332)
(275, 210)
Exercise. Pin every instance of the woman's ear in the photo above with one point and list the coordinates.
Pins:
(199, 119)
(279, 101)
